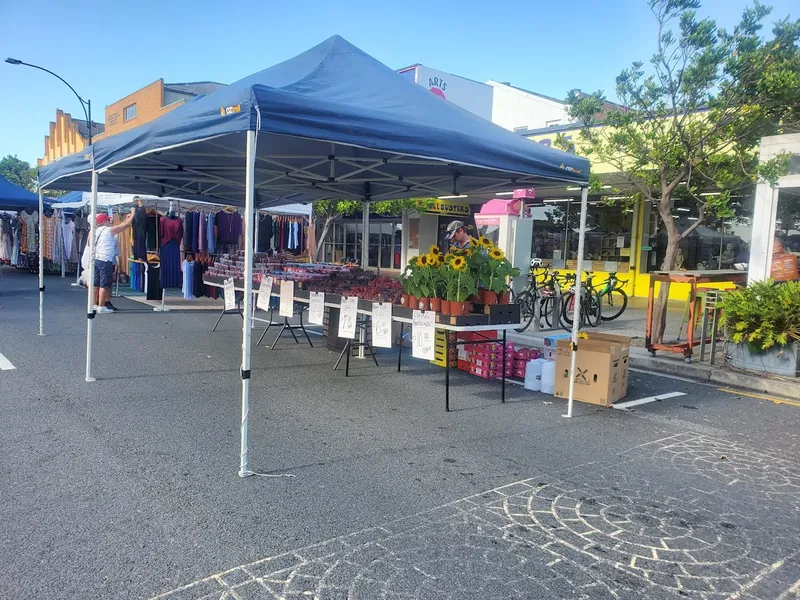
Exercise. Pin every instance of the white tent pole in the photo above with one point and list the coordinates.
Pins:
(576, 315)
(90, 277)
(365, 236)
(41, 261)
(250, 191)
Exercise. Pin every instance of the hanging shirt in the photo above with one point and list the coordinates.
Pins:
(210, 234)
(170, 229)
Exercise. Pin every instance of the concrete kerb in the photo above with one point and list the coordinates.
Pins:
(704, 373)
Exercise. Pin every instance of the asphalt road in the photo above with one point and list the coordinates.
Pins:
(128, 487)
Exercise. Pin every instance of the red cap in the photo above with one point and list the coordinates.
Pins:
(103, 218)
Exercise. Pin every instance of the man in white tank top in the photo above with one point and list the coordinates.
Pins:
(106, 250)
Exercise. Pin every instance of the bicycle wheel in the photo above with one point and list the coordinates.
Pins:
(568, 307)
(592, 309)
(613, 304)
(546, 308)
(526, 303)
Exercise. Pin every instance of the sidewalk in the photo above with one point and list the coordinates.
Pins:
(632, 324)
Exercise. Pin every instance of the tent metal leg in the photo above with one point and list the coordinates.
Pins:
(576, 320)
(248, 297)
(90, 312)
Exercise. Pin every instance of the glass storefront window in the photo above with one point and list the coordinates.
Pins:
(716, 244)
(384, 243)
(556, 231)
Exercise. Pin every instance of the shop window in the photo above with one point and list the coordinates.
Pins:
(716, 244)
(556, 232)
(129, 112)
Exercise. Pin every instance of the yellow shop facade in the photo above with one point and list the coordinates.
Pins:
(631, 241)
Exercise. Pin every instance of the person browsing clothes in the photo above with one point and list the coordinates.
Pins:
(106, 249)
(457, 236)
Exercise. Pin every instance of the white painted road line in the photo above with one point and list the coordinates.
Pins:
(629, 403)
(5, 364)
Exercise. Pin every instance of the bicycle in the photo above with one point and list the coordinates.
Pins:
(590, 304)
(542, 288)
(613, 299)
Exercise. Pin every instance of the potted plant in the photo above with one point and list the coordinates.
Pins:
(412, 281)
(435, 278)
(762, 324)
(500, 270)
(460, 284)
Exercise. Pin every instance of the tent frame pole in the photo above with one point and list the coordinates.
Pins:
(249, 212)
(41, 260)
(576, 315)
(90, 312)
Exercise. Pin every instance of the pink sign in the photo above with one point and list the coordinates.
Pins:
(525, 194)
(483, 220)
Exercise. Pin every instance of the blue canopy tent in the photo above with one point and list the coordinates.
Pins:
(332, 122)
(15, 197)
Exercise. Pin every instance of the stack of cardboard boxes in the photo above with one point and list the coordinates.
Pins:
(601, 368)
(486, 360)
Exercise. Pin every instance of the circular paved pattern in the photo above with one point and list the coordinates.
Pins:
(665, 542)
(766, 475)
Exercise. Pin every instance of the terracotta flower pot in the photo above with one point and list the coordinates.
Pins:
(413, 302)
(436, 304)
(489, 297)
(458, 308)
(423, 303)
(482, 295)
(404, 299)
(445, 307)
(504, 297)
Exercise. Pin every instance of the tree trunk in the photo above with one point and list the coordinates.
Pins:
(322, 236)
(673, 239)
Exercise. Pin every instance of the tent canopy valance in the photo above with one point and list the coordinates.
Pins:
(332, 122)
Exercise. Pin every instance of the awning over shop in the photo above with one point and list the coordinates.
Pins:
(14, 197)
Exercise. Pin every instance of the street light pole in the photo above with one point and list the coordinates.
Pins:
(86, 105)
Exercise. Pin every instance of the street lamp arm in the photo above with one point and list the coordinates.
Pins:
(84, 103)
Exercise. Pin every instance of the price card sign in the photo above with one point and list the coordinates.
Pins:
(264, 293)
(316, 308)
(347, 317)
(286, 308)
(230, 294)
(422, 334)
(381, 325)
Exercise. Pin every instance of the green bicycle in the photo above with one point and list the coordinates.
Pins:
(613, 299)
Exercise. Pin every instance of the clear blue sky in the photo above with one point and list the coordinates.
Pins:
(107, 50)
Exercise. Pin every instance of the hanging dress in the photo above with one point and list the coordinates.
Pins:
(170, 232)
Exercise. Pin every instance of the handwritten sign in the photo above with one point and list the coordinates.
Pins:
(264, 293)
(316, 308)
(230, 294)
(422, 334)
(347, 317)
(286, 308)
(381, 325)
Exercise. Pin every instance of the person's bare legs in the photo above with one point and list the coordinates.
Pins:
(105, 294)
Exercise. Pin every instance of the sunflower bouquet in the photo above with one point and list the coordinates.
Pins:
(500, 270)
(460, 280)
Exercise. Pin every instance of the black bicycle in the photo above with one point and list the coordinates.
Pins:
(543, 290)
(590, 304)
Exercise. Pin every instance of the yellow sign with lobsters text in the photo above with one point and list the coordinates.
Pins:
(450, 207)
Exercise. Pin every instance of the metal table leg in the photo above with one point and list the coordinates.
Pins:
(503, 391)
(347, 360)
(222, 314)
(447, 371)
(400, 349)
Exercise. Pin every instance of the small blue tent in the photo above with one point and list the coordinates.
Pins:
(14, 197)
(332, 122)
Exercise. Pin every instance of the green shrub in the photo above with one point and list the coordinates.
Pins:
(763, 315)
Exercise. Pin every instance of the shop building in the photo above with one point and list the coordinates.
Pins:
(67, 135)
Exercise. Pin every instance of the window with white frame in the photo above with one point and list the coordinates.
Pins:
(129, 112)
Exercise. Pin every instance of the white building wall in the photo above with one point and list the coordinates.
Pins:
(512, 108)
(472, 95)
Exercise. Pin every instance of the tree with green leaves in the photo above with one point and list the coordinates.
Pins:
(19, 172)
(693, 117)
(329, 211)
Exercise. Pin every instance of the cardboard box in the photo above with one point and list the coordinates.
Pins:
(601, 369)
(549, 354)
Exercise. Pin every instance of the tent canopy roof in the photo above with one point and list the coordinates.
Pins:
(14, 197)
(332, 122)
